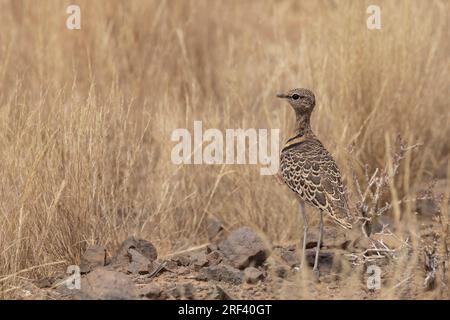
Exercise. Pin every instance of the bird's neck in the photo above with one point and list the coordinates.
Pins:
(302, 124)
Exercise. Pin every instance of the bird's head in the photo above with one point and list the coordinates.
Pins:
(302, 100)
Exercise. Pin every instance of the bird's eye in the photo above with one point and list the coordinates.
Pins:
(295, 96)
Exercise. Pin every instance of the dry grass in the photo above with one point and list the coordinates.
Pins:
(86, 116)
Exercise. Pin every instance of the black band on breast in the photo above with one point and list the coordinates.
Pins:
(291, 146)
(294, 137)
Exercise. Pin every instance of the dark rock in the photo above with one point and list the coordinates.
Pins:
(214, 258)
(151, 291)
(225, 273)
(291, 258)
(253, 275)
(142, 246)
(213, 227)
(325, 259)
(138, 263)
(45, 283)
(103, 284)
(243, 248)
(93, 257)
(361, 243)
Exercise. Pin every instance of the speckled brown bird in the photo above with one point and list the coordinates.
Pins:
(310, 171)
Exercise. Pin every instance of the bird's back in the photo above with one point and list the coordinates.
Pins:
(310, 171)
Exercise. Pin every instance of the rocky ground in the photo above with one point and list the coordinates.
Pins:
(240, 265)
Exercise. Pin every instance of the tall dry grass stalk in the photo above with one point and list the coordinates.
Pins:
(86, 116)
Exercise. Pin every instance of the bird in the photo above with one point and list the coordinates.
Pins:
(309, 170)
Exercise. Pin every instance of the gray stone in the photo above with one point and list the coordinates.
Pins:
(325, 259)
(225, 273)
(280, 270)
(244, 248)
(151, 291)
(200, 262)
(138, 263)
(102, 284)
(142, 246)
(291, 258)
(253, 275)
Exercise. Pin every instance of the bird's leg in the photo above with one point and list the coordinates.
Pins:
(305, 232)
(319, 241)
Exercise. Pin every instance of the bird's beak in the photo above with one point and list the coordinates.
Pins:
(282, 95)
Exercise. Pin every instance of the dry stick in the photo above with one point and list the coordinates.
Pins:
(157, 270)
(187, 250)
(30, 269)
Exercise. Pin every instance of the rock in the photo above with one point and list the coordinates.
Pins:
(170, 265)
(325, 259)
(253, 275)
(213, 227)
(103, 284)
(151, 291)
(201, 277)
(222, 294)
(214, 258)
(291, 258)
(200, 262)
(138, 263)
(243, 248)
(142, 246)
(93, 257)
(388, 239)
(189, 291)
(175, 292)
(427, 207)
(45, 283)
(180, 291)
(225, 273)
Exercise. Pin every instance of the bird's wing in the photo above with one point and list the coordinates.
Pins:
(309, 170)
